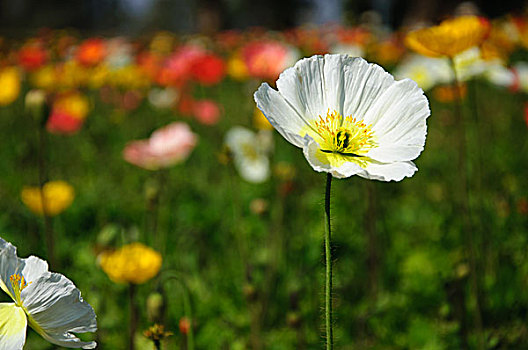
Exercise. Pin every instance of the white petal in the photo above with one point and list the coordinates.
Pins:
(312, 149)
(10, 264)
(56, 308)
(304, 87)
(34, 268)
(399, 122)
(13, 325)
(389, 172)
(283, 116)
(364, 83)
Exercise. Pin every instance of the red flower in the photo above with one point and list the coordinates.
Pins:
(208, 69)
(63, 123)
(32, 56)
(91, 52)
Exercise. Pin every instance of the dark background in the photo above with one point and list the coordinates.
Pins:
(132, 17)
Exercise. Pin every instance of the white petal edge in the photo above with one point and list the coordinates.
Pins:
(304, 87)
(56, 308)
(13, 324)
(284, 118)
(398, 120)
(389, 171)
(9, 264)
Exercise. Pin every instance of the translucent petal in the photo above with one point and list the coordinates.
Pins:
(55, 309)
(13, 323)
(389, 171)
(398, 120)
(285, 118)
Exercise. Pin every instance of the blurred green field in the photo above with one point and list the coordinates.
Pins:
(254, 278)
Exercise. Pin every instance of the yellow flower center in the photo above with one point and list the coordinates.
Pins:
(18, 283)
(346, 136)
(342, 139)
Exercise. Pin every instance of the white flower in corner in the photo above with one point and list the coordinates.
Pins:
(349, 117)
(48, 301)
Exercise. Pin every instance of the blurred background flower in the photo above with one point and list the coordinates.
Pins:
(166, 146)
(56, 195)
(132, 263)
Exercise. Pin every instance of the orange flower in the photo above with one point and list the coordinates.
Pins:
(450, 38)
(91, 52)
(448, 93)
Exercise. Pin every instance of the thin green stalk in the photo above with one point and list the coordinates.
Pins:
(328, 274)
(187, 308)
(465, 208)
(42, 175)
(133, 316)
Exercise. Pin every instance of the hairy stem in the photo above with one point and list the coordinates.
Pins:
(328, 261)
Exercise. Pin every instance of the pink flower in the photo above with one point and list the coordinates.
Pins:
(206, 111)
(267, 59)
(167, 146)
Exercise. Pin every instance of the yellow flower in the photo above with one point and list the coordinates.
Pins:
(58, 197)
(44, 78)
(450, 38)
(132, 263)
(10, 83)
(260, 121)
(74, 104)
(236, 68)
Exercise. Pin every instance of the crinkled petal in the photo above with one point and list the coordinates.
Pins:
(364, 84)
(304, 87)
(13, 324)
(323, 162)
(56, 308)
(398, 120)
(10, 264)
(282, 115)
(30, 268)
(388, 171)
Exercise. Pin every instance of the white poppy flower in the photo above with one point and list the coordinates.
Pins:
(48, 301)
(250, 153)
(427, 72)
(349, 117)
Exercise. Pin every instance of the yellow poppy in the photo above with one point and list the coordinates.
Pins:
(132, 263)
(450, 38)
(236, 68)
(10, 83)
(58, 196)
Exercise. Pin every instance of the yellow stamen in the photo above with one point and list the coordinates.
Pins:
(343, 139)
(18, 283)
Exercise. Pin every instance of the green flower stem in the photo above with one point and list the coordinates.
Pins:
(133, 316)
(465, 211)
(328, 274)
(187, 308)
(42, 176)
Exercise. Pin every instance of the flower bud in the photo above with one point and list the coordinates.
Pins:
(155, 304)
(35, 103)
